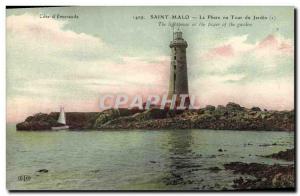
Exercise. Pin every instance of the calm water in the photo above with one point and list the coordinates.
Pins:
(135, 160)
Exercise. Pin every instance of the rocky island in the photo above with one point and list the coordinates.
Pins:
(229, 117)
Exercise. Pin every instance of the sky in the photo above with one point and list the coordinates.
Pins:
(71, 62)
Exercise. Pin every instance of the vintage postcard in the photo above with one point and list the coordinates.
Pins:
(150, 98)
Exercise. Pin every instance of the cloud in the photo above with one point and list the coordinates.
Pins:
(49, 32)
(259, 73)
(236, 53)
(49, 65)
(81, 90)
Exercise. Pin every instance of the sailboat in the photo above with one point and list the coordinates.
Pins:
(61, 121)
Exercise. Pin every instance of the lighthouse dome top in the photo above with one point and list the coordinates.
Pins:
(178, 35)
(178, 40)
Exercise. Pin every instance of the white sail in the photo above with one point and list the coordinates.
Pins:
(62, 118)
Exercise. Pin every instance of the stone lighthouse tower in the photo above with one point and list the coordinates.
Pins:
(178, 83)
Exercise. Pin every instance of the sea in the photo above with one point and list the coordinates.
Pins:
(190, 159)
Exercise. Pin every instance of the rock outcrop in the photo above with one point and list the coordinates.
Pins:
(41, 122)
(288, 155)
(229, 117)
(266, 176)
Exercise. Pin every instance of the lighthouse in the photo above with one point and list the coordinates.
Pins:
(178, 82)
